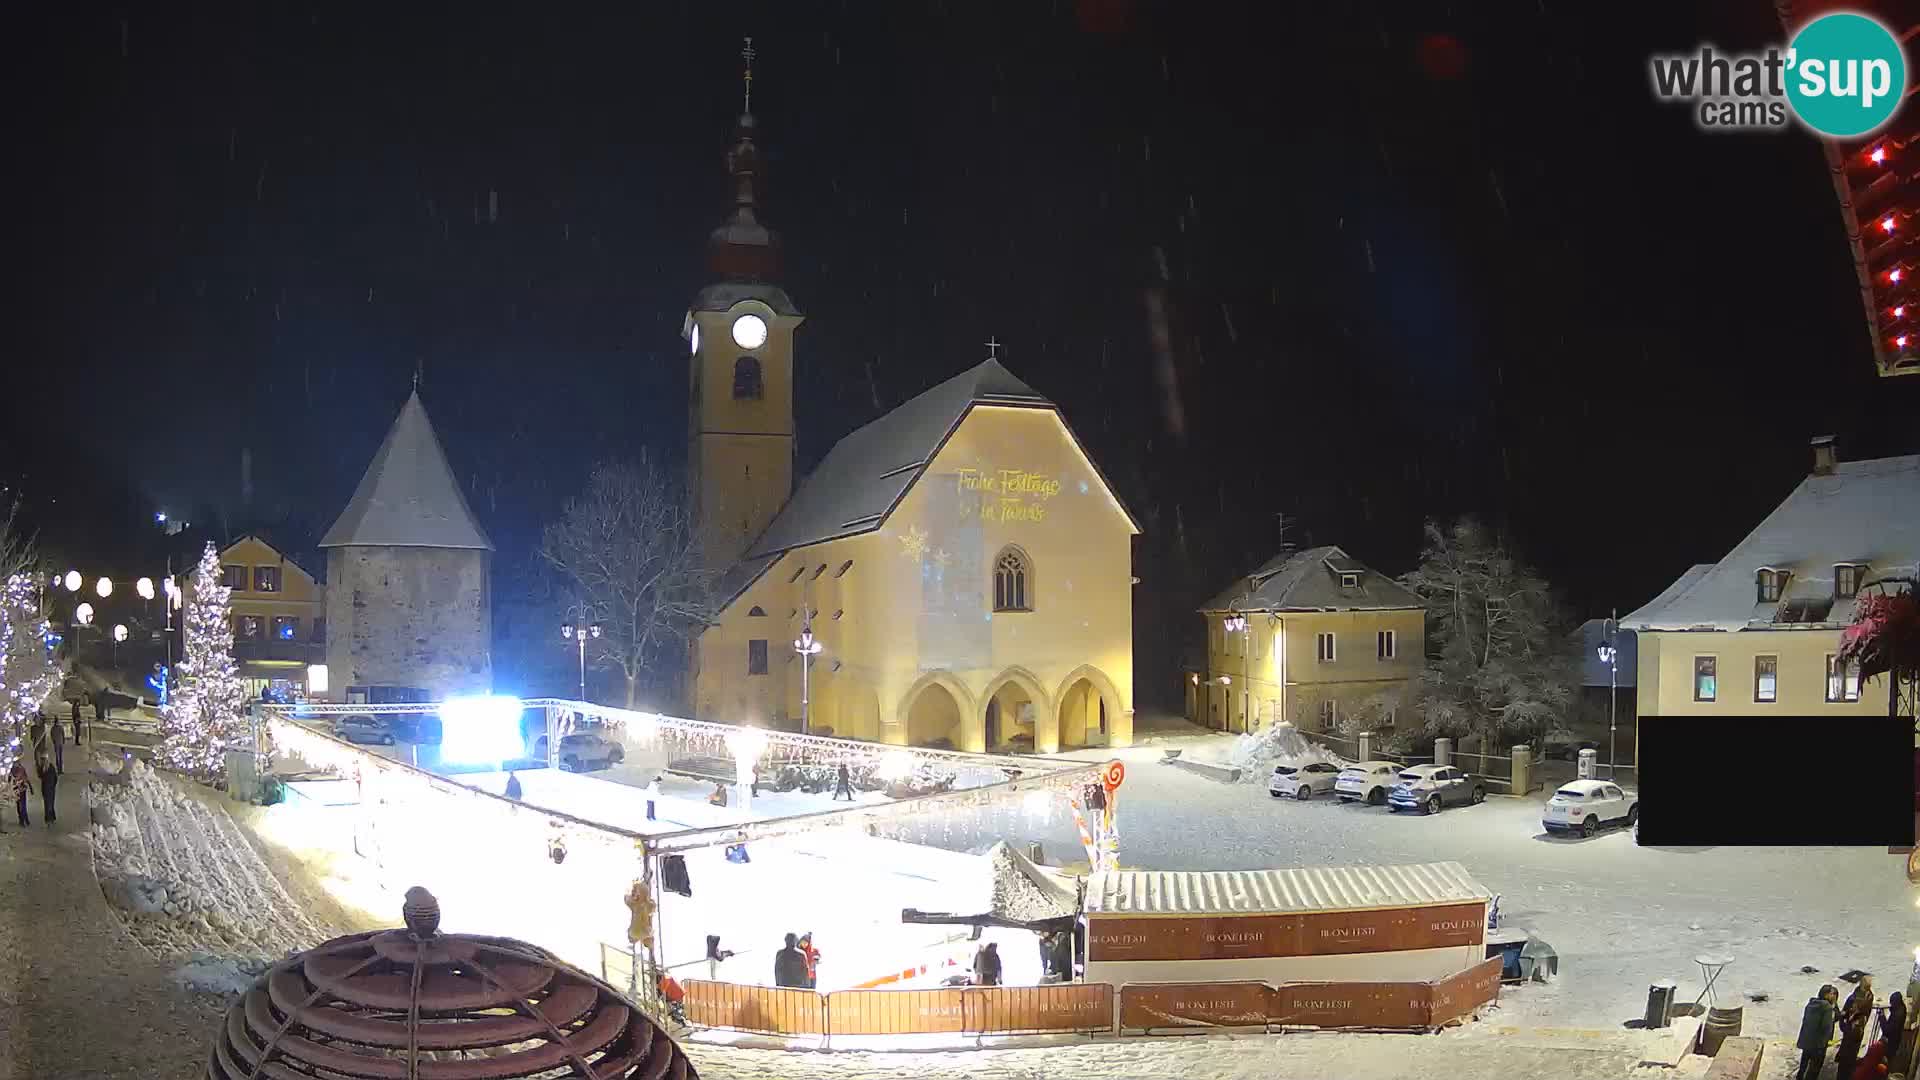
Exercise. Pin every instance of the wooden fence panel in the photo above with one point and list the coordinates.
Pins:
(1034, 1010)
(765, 1009)
(896, 1012)
(1352, 1005)
(1145, 1006)
(1458, 995)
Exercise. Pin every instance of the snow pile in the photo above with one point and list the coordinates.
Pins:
(1256, 753)
(1025, 893)
(183, 877)
(210, 974)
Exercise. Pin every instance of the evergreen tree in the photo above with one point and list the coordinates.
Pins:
(205, 710)
(1500, 662)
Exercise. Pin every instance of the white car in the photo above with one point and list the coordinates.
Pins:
(1303, 782)
(1583, 806)
(1368, 781)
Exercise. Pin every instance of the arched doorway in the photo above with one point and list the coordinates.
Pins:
(933, 717)
(1016, 714)
(1085, 718)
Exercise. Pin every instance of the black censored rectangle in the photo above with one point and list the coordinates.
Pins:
(1785, 781)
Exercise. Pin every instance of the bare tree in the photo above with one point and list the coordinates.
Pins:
(626, 547)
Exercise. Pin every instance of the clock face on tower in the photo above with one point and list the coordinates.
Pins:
(693, 339)
(749, 332)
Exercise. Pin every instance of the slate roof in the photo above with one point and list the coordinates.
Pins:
(408, 497)
(1863, 512)
(1310, 581)
(867, 473)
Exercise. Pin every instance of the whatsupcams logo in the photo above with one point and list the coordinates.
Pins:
(1843, 75)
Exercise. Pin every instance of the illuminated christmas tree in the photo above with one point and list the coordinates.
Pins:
(205, 713)
(27, 671)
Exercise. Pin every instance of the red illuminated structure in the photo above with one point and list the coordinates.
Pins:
(1878, 181)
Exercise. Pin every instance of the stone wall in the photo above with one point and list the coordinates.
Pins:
(409, 616)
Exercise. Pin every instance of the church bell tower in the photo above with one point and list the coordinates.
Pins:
(739, 331)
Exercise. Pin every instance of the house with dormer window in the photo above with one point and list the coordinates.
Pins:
(1759, 630)
(1315, 638)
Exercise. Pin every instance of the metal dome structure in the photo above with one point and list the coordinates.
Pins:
(416, 1004)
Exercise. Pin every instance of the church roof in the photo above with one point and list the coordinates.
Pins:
(408, 497)
(867, 473)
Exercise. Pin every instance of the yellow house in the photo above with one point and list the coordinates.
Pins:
(1314, 638)
(963, 566)
(1757, 631)
(279, 615)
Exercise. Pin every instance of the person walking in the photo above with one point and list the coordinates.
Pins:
(812, 956)
(790, 965)
(60, 744)
(49, 783)
(842, 784)
(1816, 1030)
(1894, 1027)
(986, 965)
(1853, 1033)
(18, 784)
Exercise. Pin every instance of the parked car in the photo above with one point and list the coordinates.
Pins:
(1367, 781)
(1584, 806)
(364, 728)
(1303, 782)
(1429, 787)
(583, 751)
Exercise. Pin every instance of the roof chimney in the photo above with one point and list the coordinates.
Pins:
(1825, 455)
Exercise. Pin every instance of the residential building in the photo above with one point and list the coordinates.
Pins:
(1757, 632)
(279, 617)
(963, 564)
(409, 603)
(1314, 638)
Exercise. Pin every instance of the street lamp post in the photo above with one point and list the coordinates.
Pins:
(579, 635)
(808, 648)
(1610, 656)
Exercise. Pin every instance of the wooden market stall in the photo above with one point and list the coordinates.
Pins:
(1386, 924)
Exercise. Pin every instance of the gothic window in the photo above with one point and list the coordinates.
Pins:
(746, 379)
(757, 612)
(757, 656)
(1012, 581)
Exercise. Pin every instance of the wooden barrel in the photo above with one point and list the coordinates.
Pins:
(1722, 1022)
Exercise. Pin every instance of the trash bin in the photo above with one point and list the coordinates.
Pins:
(1589, 759)
(1660, 1003)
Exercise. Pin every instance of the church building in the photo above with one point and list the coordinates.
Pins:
(962, 564)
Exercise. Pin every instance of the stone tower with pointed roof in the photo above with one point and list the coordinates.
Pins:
(408, 599)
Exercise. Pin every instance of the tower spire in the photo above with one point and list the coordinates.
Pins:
(747, 54)
(742, 249)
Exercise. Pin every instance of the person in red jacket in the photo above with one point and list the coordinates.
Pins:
(813, 958)
(1872, 1064)
(17, 783)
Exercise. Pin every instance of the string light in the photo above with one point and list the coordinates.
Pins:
(1886, 223)
(204, 714)
(1899, 311)
(1878, 156)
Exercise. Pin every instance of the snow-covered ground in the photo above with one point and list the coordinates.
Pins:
(183, 877)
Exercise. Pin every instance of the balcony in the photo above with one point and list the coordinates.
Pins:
(259, 650)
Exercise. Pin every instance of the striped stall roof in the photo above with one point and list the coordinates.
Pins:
(1257, 892)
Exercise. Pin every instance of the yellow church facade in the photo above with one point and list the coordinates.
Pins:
(989, 606)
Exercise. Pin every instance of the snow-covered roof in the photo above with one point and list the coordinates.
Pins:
(1861, 512)
(1310, 581)
(1254, 892)
(408, 497)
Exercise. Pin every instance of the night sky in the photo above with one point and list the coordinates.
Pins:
(1412, 262)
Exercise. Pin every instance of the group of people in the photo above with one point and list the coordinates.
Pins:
(46, 744)
(797, 964)
(1824, 1012)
